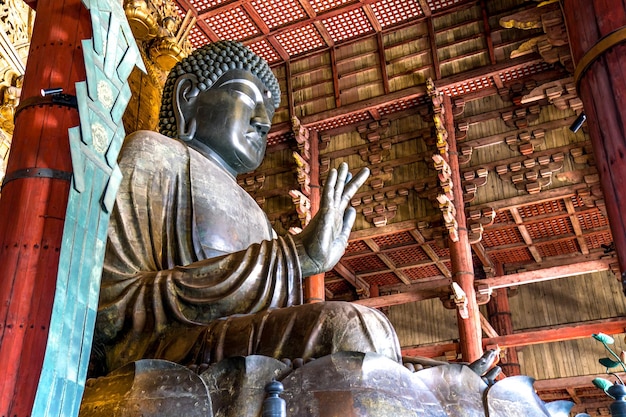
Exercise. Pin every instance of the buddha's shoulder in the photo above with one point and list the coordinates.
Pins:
(154, 143)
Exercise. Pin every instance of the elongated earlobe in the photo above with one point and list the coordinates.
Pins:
(185, 92)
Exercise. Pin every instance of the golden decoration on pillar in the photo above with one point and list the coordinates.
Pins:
(445, 197)
(158, 30)
(142, 19)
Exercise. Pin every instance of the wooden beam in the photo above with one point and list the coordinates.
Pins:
(573, 218)
(536, 336)
(548, 273)
(487, 32)
(569, 382)
(362, 287)
(383, 64)
(487, 327)
(433, 48)
(404, 297)
(524, 233)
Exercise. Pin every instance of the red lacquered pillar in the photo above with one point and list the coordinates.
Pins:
(470, 332)
(597, 33)
(34, 199)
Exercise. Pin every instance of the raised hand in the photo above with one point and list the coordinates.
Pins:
(324, 240)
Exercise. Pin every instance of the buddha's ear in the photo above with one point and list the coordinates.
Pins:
(185, 92)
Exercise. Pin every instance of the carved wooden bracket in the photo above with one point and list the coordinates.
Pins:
(445, 194)
(251, 183)
(532, 174)
(521, 117)
(303, 173)
(472, 180)
(526, 142)
(374, 131)
(303, 208)
(477, 220)
(301, 135)
(561, 93)
(583, 155)
(380, 207)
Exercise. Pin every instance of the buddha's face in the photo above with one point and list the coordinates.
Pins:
(233, 118)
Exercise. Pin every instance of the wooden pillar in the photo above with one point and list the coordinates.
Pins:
(499, 314)
(470, 333)
(314, 288)
(597, 33)
(34, 199)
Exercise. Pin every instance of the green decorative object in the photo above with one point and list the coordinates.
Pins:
(604, 338)
(608, 363)
(109, 58)
(602, 383)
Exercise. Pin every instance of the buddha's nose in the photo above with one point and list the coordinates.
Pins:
(260, 121)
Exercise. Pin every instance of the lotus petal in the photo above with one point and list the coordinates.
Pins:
(515, 396)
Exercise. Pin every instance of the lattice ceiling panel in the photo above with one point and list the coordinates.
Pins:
(501, 237)
(277, 13)
(356, 247)
(408, 256)
(366, 263)
(233, 24)
(342, 121)
(388, 278)
(394, 240)
(503, 216)
(511, 255)
(592, 220)
(422, 272)
(201, 5)
(535, 210)
(597, 240)
(301, 39)
(552, 227)
(339, 287)
(348, 25)
(197, 38)
(525, 71)
(469, 86)
(550, 249)
(436, 5)
(401, 105)
(391, 12)
(441, 252)
(264, 49)
(320, 6)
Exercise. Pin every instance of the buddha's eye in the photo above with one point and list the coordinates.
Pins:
(244, 97)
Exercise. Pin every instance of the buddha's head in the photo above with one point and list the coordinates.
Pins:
(221, 100)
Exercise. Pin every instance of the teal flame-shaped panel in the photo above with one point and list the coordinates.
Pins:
(110, 57)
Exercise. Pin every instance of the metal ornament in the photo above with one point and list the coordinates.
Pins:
(109, 58)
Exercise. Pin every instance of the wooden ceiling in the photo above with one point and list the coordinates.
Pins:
(353, 75)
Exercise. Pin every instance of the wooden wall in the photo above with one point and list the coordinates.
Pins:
(549, 303)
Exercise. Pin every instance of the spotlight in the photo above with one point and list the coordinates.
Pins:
(575, 127)
(45, 92)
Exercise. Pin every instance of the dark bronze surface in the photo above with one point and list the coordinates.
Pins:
(147, 388)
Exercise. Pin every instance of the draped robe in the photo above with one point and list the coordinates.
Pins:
(194, 272)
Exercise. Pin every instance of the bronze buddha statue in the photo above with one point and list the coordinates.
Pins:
(193, 270)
